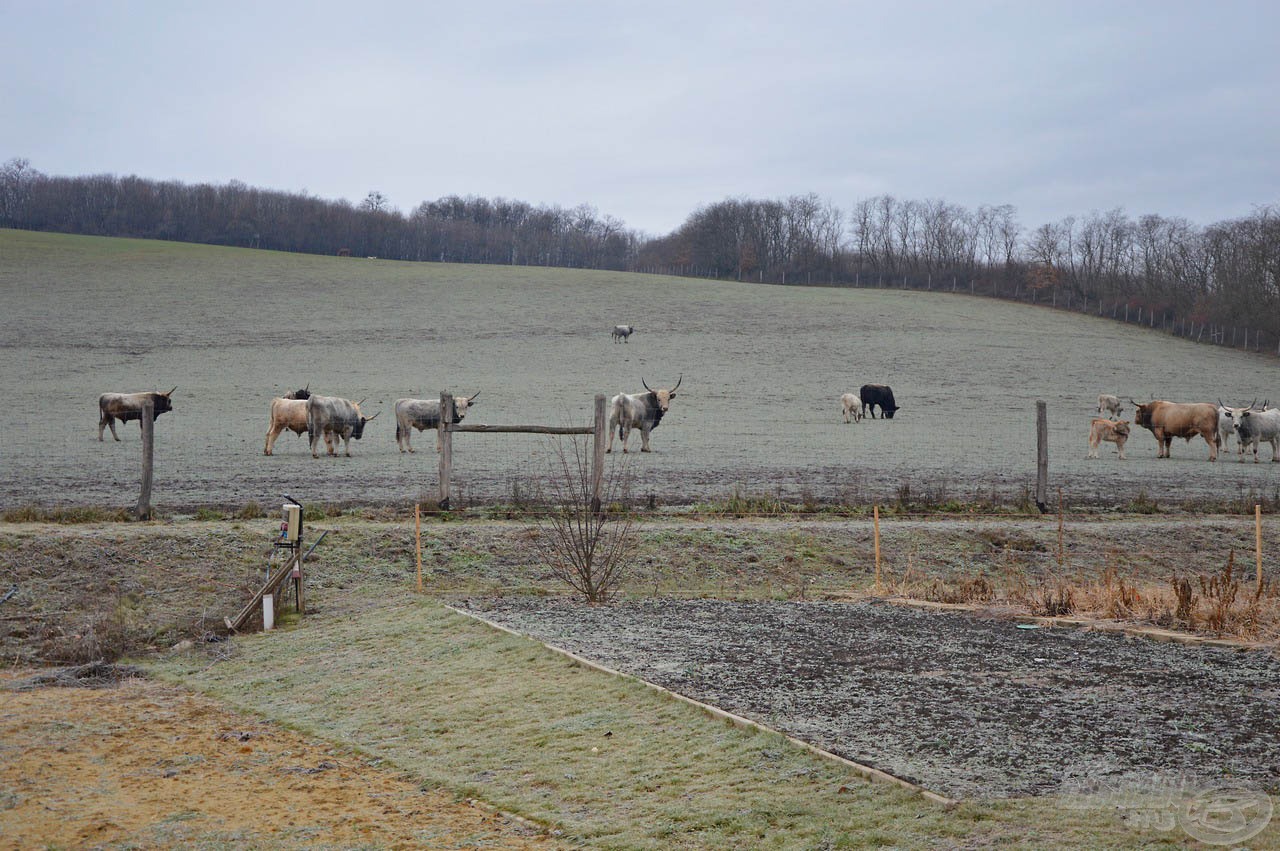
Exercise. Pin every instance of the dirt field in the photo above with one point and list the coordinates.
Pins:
(149, 766)
(961, 705)
(763, 367)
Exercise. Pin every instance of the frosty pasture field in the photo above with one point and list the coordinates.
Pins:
(759, 411)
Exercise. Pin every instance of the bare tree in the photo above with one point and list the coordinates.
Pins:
(585, 548)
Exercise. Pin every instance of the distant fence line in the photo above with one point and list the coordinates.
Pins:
(1118, 309)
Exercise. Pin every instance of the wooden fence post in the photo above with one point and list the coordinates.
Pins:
(597, 455)
(148, 454)
(876, 520)
(1042, 456)
(1257, 541)
(417, 539)
(446, 447)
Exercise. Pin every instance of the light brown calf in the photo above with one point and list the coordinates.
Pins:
(1112, 431)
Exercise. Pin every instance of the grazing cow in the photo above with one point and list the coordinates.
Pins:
(288, 412)
(1112, 431)
(639, 410)
(872, 395)
(1254, 427)
(1167, 420)
(622, 332)
(852, 405)
(1110, 404)
(128, 406)
(333, 419)
(423, 414)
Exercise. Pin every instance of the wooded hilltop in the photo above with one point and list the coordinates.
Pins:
(1218, 282)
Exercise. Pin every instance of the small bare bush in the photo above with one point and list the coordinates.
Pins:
(583, 547)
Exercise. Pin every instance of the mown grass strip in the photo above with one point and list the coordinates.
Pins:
(608, 761)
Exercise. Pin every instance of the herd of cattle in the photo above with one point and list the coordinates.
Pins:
(333, 419)
(1250, 424)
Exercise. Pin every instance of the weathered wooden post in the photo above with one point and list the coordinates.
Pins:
(148, 453)
(1257, 541)
(446, 447)
(597, 455)
(417, 539)
(1042, 456)
(875, 509)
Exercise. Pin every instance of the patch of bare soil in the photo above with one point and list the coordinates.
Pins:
(144, 765)
(966, 706)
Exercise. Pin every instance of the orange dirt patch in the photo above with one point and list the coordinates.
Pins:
(153, 766)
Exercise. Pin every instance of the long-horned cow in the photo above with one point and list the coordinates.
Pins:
(128, 406)
(288, 412)
(1254, 427)
(639, 410)
(622, 332)
(1167, 420)
(334, 419)
(423, 414)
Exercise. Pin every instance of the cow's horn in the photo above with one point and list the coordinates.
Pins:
(361, 402)
(472, 397)
(307, 389)
(366, 419)
(170, 393)
(646, 385)
(681, 378)
(1253, 403)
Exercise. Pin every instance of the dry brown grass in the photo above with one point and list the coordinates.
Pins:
(1224, 603)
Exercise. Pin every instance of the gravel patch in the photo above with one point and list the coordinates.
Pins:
(962, 705)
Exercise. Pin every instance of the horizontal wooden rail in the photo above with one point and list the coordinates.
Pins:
(530, 429)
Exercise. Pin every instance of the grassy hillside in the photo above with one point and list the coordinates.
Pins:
(758, 412)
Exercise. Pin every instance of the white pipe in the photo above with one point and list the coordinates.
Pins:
(268, 612)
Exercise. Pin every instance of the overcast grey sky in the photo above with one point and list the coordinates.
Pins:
(648, 110)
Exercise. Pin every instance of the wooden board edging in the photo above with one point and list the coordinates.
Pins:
(865, 771)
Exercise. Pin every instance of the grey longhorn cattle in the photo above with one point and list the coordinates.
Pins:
(128, 406)
(334, 419)
(639, 410)
(423, 414)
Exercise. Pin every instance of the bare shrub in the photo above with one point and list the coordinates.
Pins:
(583, 547)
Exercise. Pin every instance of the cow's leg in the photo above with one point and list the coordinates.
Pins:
(110, 422)
(313, 439)
(624, 434)
(1093, 446)
(613, 424)
(1120, 447)
(272, 434)
(644, 439)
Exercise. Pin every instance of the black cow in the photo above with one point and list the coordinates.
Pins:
(878, 394)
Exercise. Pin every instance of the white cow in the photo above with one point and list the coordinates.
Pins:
(852, 405)
(1254, 427)
(1109, 404)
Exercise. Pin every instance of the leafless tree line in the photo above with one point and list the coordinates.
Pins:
(1224, 275)
(453, 229)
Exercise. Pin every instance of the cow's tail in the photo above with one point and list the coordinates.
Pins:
(311, 428)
